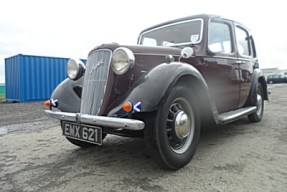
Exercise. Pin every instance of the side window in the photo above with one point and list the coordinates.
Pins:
(242, 40)
(219, 37)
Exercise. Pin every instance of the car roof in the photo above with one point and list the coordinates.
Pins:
(202, 16)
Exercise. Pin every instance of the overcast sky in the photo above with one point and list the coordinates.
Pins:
(73, 28)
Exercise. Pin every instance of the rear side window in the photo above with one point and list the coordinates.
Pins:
(219, 37)
(242, 40)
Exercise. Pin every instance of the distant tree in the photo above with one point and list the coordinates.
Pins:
(285, 73)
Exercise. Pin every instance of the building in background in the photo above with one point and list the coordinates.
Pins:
(32, 78)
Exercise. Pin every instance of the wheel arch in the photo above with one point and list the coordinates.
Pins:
(207, 107)
(264, 85)
(160, 80)
(257, 77)
(68, 94)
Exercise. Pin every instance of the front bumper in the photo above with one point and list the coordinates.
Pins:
(103, 121)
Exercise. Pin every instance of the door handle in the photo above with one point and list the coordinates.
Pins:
(239, 62)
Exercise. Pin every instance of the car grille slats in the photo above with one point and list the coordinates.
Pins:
(95, 81)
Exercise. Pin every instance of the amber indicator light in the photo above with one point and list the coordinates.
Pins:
(127, 106)
(47, 103)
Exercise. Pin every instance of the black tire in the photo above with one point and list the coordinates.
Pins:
(173, 146)
(257, 116)
(84, 144)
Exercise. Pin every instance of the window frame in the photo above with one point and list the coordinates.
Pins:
(172, 24)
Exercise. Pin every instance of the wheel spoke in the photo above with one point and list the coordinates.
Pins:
(169, 129)
(179, 143)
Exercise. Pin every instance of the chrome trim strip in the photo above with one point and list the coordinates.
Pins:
(111, 122)
(228, 117)
(154, 54)
(223, 57)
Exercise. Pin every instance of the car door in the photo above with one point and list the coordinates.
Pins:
(282, 79)
(247, 60)
(220, 69)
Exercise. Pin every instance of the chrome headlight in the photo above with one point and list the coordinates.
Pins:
(75, 69)
(123, 59)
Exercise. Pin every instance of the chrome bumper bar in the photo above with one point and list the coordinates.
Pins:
(112, 122)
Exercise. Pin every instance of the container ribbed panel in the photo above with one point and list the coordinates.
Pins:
(32, 78)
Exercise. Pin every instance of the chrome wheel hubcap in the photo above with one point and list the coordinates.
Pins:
(182, 125)
(259, 104)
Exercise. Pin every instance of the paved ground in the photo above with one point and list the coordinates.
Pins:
(237, 157)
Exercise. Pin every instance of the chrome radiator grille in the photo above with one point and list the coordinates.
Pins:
(95, 81)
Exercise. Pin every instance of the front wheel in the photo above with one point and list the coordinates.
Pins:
(257, 116)
(172, 132)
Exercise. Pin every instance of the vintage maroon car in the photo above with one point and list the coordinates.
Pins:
(182, 74)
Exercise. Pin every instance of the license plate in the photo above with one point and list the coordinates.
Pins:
(84, 133)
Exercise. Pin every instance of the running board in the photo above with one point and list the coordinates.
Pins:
(230, 116)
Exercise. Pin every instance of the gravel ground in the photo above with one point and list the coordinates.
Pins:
(236, 157)
(24, 117)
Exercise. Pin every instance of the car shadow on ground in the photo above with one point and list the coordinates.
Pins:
(118, 153)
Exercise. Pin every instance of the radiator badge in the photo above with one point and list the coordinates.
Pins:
(96, 66)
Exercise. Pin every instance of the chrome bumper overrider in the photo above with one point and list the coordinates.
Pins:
(112, 122)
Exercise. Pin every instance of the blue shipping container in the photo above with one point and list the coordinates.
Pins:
(31, 78)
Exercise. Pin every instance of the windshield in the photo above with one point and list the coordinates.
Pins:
(181, 33)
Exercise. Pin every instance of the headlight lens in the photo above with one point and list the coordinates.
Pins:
(123, 59)
(75, 69)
